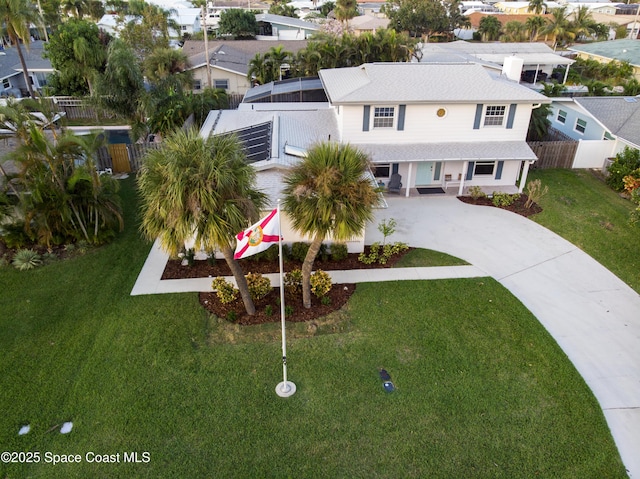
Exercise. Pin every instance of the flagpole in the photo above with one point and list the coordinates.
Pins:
(285, 388)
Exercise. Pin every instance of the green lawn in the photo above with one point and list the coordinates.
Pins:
(582, 209)
(483, 391)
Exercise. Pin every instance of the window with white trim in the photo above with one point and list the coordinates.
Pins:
(581, 125)
(382, 170)
(562, 116)
(221, 84)
(484, 168)
(494, 115)
(6, 83)
(197, 85)
(383, 117)
(608, 136)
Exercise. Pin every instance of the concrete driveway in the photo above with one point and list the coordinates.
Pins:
(593, 315)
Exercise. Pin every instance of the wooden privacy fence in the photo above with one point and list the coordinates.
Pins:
(554, 154)
(123, 158)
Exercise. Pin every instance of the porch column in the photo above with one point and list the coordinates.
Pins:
(463, 177)
(406, 194)
(523, 178)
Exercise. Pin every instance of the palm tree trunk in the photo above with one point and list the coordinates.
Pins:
(13, 188)
(16, 40)
(241, 281)
(307, 266)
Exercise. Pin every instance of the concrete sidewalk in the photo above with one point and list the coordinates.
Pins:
(149, 281)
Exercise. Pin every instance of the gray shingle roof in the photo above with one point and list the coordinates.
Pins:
(10, 62)
(623, 50)
(421, 83)
(620, 115)
(450, 151)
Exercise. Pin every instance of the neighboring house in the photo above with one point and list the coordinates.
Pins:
(39, 69)
(522, 8)
(277, 27)
(538, 59)
(441, 127)
(604, 126)
(188, 21)
(229, 61)
(215, 9)
(621, 50)
(367, 23)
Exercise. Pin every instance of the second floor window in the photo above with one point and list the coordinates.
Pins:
(383, 117)
(494, 115)
(581, 125)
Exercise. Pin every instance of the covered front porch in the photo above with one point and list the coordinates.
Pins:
(451, 168)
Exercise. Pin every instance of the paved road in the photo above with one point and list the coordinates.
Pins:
(593, 315)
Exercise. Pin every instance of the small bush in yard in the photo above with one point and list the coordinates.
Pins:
(299, 250)
(476, 192)
(259, 286)
(626, 161)
(26, 259)
(225, 291)
(320, 283)
(293, 282)
(503, 199)
(339, 251)
(535, 191)
(372, 257)
(382, 255)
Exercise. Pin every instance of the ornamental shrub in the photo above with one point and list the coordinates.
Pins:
(293, 282)
(259, 286)
(476, 192)
(339, 251)
(503, 199)
(299, 250)
(320, 283)
(535, 191)
(626, 161)
(26, 259)
(225, 291)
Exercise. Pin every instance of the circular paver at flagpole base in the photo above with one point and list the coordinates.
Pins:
(284, 391)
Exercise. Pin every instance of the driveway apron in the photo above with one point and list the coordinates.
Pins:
(593, 315)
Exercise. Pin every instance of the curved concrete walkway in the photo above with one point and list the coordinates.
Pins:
(593, 315)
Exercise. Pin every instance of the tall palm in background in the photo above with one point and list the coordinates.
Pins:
(534, 25)
(559, 26)
(328, 194)
(16, 17)
(203, 190)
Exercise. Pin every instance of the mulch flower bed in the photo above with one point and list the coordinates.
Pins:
(516, 207)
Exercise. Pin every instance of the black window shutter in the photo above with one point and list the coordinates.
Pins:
(401, 112)
(471, 166)
(365, 118)
(476, 123)
(512, 114)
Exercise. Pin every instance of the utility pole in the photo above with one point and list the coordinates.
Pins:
(206, 43)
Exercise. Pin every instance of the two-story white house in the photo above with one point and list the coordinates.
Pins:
(442, 127)
(437, 125)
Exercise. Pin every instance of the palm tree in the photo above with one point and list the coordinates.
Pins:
(16, 17)
(534, 25)
(583, 24)
(537, 6)
(67, 198)
(514, 31)
(559, 27)
(490, 28)
(328, 193)
(275, 58)
(201, 189)
(539, 123)
(258, 70)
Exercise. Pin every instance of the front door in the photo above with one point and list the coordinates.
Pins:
(424, 173)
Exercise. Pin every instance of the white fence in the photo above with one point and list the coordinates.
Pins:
(592, 153)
